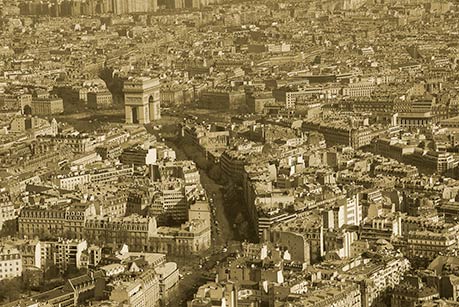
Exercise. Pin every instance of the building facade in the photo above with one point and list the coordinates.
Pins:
(10, 262)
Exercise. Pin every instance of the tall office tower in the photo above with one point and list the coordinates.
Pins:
(140, 6)
(120, 7)
(106, 6)
(352, 4)
(130, 5)
(195, 4)
(153, 5)
(175, 4)
(142, 100)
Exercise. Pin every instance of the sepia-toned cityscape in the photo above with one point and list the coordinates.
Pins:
(229, 153)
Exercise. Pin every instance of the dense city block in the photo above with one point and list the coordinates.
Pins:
(229, 153)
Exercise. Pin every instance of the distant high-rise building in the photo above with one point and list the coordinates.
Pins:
(120, 7)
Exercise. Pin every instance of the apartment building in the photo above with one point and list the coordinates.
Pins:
(141, 291)
(133, 230)
(191, 237)
(69, 254)
(171, 202)
(76, 180)
(347, 295)
(77, 143)
(47, 106)
(54, 220)
(30, 253)
(215, 294)
(10, 262)
(100, 100)
(375, 278)
(168, 274)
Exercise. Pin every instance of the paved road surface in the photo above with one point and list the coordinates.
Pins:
(222, 228)
(222, 234)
